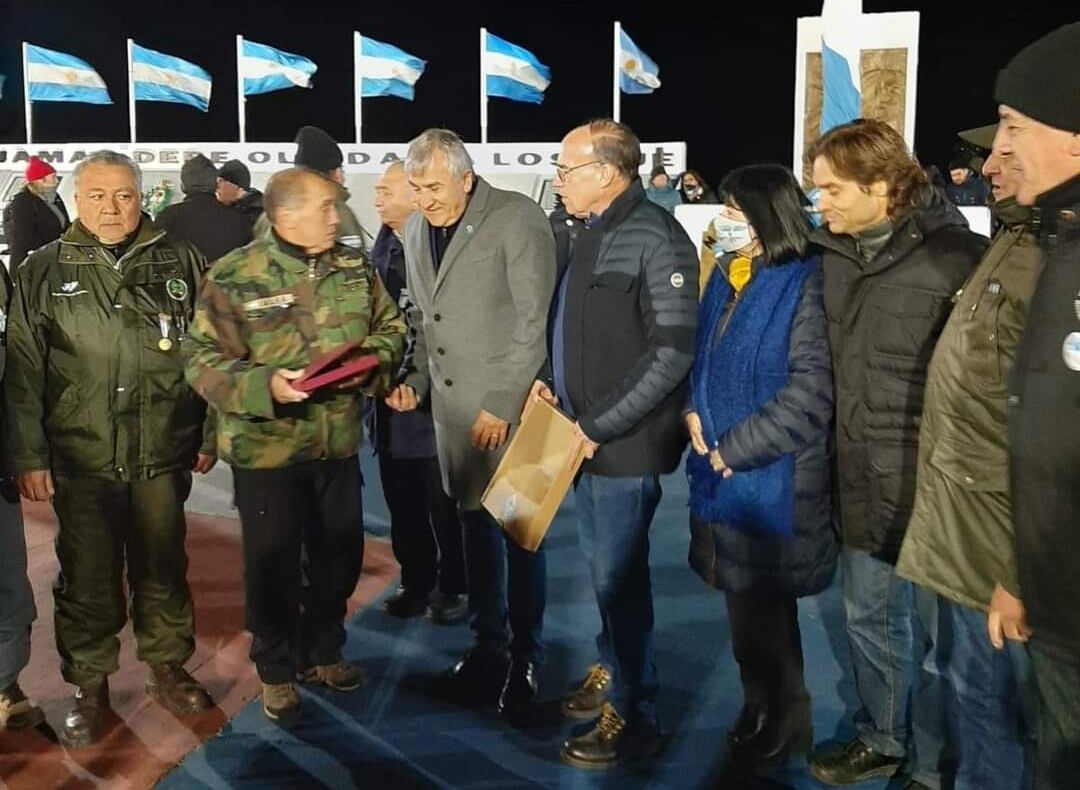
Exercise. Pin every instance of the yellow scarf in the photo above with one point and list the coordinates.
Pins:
(739, 273)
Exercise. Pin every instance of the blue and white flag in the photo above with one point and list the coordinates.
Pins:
(638, 73)
(160, 77)
(841, 100)
(265, 69)
(515, 73)
(56, 76)
(385, 70)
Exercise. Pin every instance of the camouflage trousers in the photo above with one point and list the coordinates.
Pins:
(102, 522)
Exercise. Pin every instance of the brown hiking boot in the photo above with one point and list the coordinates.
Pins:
(280, 701)
(611, 742)
(16, 711)
(585, 701)
(176, 690)
(341, 676)
(83, 722)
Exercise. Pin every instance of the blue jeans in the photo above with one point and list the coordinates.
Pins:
(615, 514)
(892, 628)
(993, 693)
(17, 608)
(506, 583)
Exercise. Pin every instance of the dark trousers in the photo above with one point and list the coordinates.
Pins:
(507, 584)
(17, 609)
(309, 510)
(767, 645)
(614, 515)
(425, 530)
(101, 522)
(1057, 676)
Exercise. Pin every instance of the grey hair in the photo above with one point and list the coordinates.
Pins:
(111, 158)
(423, 148)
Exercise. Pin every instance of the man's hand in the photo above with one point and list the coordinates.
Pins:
(1006, 619)
(203, 463)
(719, 466)
(590, 447)
(36, 486)
(541, 391)
(281, 390)
(697, 435)
(488, 432)
(402, 398)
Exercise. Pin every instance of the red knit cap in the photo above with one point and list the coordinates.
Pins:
(37, 169)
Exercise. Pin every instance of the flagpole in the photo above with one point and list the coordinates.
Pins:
(131, 91)
(26, 93)
(483, 86)
(241, 109)
(358, 84)
(616, 91)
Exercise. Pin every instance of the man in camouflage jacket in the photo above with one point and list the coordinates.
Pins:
(265, 312)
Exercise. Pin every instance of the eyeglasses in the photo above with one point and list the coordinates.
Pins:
(562, 171)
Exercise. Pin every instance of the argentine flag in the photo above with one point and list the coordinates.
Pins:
(638, 73)
(515, 73)
(385, 70)
(841, 78)
(265, 69)
(160, 77)
(55, 76)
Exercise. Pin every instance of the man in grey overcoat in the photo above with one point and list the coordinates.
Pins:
(480, 265)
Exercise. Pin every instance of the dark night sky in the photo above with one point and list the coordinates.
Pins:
(728, 68)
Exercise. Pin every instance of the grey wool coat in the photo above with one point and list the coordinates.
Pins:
(480, 325)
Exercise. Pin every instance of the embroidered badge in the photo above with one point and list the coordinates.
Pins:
(677, 280)
(177, 289)
(70, 289)
(269, 302)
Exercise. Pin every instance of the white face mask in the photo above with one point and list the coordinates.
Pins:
(731, 234)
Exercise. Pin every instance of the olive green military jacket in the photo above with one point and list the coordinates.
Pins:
(265, 307)
(94, 384)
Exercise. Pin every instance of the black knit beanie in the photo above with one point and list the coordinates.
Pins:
(317, 150)
(1043, 80)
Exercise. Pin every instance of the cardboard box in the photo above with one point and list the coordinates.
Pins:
(534, 475)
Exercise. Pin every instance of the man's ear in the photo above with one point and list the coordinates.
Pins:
(470, 180)
(879, 189)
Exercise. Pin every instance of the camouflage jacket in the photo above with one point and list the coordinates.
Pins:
(94, 385)
(266, 307)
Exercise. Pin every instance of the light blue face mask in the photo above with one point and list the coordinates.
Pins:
(812, 211)
(731, 234)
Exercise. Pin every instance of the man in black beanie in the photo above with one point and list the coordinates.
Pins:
(235, 191)
(1038, 96)
(200, 219)
(318, 151)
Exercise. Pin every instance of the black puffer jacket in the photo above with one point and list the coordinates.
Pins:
(211, 227)
(630, 318)
(884, 320)
(30, 224)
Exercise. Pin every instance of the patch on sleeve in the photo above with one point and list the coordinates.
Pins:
(677, 280)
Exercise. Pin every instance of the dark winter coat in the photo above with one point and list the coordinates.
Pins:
(30, 224)
(885, 317)
(788, 436)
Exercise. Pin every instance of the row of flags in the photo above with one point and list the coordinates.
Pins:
(512, 72)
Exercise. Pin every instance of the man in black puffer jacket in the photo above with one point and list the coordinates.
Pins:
(212, 228)
(895, 252)
(621, 343)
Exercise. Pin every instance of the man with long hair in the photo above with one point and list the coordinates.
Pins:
(894, 253)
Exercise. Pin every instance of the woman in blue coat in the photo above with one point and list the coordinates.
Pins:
(759, 472)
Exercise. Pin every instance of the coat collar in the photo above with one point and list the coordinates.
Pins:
(470, 221)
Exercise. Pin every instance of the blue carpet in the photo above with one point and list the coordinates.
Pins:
(396, 733)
